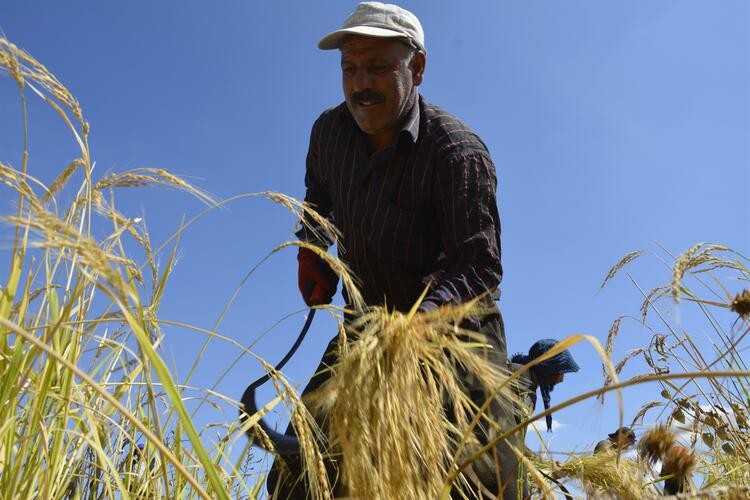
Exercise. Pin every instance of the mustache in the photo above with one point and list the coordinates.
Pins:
(367, 96)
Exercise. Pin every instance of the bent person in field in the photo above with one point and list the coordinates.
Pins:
(544, 375)
(411, 189)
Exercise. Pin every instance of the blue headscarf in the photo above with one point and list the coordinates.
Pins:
(562, 362)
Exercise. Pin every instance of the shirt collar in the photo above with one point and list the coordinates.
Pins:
(411, 124)
(410, 127)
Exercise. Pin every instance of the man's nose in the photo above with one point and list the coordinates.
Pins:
(361, 80)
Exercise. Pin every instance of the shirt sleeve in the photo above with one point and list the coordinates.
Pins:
(466, 207)
(317, 196)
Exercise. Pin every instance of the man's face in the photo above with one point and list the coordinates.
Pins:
(380, 76)
(555, 378)
(552, 379)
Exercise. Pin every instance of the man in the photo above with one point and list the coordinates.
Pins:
(620, 440)
(412, 191)
(544, 375)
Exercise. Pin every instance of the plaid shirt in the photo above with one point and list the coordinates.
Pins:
(420, 212)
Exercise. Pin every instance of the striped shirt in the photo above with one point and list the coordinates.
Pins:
(422, 211)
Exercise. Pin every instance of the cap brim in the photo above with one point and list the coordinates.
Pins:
(335, 39)
(571, 366)
(561, 363)
(567, 363)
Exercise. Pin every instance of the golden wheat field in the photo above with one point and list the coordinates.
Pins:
(84, 380)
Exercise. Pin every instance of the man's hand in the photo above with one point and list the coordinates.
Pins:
(317, 281)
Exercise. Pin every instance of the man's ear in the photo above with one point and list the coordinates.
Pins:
(417, 65)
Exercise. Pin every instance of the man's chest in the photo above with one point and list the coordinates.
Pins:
(384, 200)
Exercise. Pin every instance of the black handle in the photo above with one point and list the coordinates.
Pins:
(284, 444)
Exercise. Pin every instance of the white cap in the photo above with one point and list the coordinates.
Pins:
(379, 20)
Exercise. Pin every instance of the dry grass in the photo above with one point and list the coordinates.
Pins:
(711, 410)
(386, 402)
(81, 378)
(602, 474)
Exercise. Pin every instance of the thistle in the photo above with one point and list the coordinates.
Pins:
(676, 467)
(655, 443)
(741, 304)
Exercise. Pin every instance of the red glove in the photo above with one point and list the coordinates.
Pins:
(316, 279)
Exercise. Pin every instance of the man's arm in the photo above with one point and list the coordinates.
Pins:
(317, 282)
(465, 205)
(316, 195)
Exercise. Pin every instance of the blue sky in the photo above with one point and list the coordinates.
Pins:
(613, 125)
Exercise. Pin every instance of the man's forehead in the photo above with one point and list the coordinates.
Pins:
(356, 44)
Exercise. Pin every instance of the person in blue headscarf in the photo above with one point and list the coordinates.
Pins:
(544, 375)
